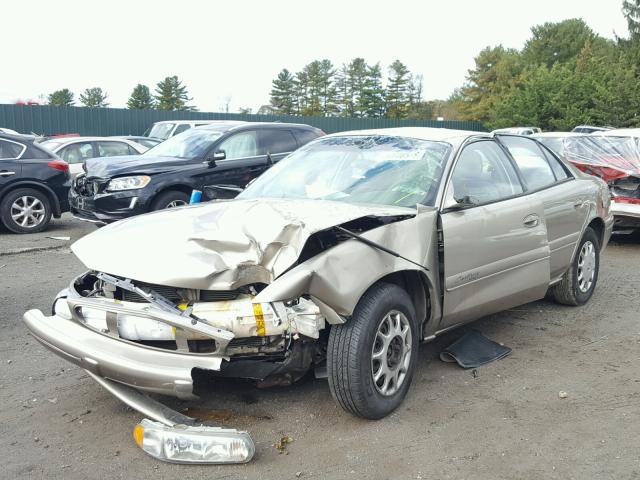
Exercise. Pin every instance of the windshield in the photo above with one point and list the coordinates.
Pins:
(382, 170)
(190, 144)
(161, 130)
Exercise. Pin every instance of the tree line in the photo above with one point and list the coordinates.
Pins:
(169, 94)
(355, 89)
(565, 75)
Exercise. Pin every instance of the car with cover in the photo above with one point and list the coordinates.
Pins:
(347, 254)
(224, 154)
(34, 184)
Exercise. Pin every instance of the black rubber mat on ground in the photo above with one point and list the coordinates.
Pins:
(473, 350)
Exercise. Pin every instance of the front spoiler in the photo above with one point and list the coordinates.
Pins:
(145, 368)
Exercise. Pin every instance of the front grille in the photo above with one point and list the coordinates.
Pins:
(177, 295)
(88, 188)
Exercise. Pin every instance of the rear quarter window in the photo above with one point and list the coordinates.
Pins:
(305, 136)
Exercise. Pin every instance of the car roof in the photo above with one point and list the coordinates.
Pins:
(557, 134)
(246, 125)
(17, 138)
(422, 133)
(199, 121)
(63, 140)
(621, 132)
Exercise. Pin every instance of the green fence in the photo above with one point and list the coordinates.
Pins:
(48, 120)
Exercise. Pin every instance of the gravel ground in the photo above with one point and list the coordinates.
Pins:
(507, 421)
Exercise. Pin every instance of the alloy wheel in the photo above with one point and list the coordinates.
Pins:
(391, 353)
(586, 266)
(28, 211)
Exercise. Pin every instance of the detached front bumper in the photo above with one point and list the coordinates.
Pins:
(159, 371)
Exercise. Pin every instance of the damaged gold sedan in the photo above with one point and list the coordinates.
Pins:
(346, 255)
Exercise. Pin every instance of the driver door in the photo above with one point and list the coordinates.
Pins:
(496, 252)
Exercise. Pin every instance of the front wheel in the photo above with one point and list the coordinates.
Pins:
(170, 199)
(579, 282)
(372, 357)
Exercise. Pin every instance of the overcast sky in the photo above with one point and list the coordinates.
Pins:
(235, 48)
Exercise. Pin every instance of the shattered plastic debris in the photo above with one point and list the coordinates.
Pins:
(281, 445)
(563, 394)
(60, 238)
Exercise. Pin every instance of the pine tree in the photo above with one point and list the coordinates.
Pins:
(372, 97)
(172, 95)
(283, 94)
(94, 97)
(140, 98)
(396, 95)
(631, 11)
(351, 83)
(61, 98)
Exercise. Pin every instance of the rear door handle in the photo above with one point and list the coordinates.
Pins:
(531, 221)
(6, 173)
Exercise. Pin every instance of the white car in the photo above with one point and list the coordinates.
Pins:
(169, 128)
(518, 130)
(76, 150)
(9, 131)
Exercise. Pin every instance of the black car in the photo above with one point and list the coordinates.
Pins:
(34, 184)
(228, 154)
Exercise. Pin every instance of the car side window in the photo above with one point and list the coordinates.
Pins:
(277, 141)
(10, 150)
(77, 152)
(112, 149)
(181, 128)
(240, 145)
(558, 170)
(484, 174)
(305, 136)
(532, 163)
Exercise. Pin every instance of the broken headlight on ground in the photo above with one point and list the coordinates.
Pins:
(188, 444)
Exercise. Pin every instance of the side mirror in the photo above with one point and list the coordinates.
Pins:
(214, 157)
(460, 203)
(221, 192)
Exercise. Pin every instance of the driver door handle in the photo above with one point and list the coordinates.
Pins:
(6, 173)
(531, 221)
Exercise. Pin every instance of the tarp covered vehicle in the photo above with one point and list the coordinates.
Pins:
(348, 253)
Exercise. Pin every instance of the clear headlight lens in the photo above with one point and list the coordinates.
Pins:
(183, 444)
(128, 183)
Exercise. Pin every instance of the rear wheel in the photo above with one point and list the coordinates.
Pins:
(579, 282)
(25, 210)
(170, 199)
(372, 357)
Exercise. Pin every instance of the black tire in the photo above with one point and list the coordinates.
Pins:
(350, 364)
(570, 291)
(37, 219)
(165, 199)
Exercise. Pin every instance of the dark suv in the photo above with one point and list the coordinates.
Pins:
(227, 154)
(34, 185)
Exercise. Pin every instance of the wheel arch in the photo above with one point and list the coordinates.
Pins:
(42, 188)
(178, 187)
(420, 290)
(597, 224)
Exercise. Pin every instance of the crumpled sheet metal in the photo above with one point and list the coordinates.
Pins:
(607, 156)
(217, 245)
(341, 275)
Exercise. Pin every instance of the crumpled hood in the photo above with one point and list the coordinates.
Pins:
(216, 245)
(108, 167)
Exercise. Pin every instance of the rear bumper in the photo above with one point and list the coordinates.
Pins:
(145, 368)
(626, 214)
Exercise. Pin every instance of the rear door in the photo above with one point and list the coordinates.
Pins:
(277, 143)
(565, 202)
(10, 167)
(496, 253)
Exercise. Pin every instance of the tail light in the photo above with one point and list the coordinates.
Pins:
(59, 165)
